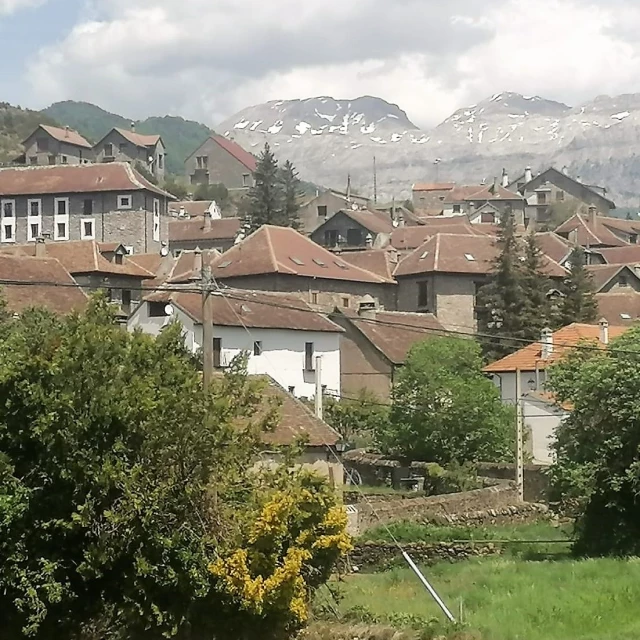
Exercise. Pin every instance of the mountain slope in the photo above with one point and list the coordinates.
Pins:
(180, 136)
(15, 125)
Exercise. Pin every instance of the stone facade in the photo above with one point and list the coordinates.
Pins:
(321, 208)
(536, 478)
(343, 231)
(114, 147)
(40, 148)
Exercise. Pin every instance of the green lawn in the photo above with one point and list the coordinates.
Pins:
(507, 598)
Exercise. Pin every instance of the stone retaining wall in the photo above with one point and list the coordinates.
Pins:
(536, 480)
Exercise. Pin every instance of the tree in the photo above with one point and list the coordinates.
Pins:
(291, 187)
(579, 303)
(445, 409)
(145, 173)
(598, 458)
(267, 194)
(356, 418)
(559, 212)
(502, 301)
(217, 192)
(176, 188)
(537, 311)
(123, 487)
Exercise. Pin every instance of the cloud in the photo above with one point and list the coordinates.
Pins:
(206, 60)
(8, 7)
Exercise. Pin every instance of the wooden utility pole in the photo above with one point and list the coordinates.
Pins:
(319, 408)
(375, 181)
(207, 326)
(519, 438)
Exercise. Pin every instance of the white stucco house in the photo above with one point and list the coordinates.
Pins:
(542, 416)
(282, 334)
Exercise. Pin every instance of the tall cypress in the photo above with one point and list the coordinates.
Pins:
(537, 311)
(579, 303)
(291, 187)
(266, 197)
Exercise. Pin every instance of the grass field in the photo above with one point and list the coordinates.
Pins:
(508, 598)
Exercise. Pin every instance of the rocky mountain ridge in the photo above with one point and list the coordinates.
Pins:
(327, 139)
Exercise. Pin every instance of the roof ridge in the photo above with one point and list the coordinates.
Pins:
(272, 253)
(436, 255)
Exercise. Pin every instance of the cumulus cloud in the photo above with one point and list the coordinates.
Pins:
(206, 59)
(11, 6)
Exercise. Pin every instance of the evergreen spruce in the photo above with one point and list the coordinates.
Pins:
(502, 301)
(537, 311)
(266, 197)
(579, 303)
(291, 187)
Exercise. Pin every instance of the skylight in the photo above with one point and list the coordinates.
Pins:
(319, 262)
(625, 316)
(342, 265)
(297, 260)
(469, 257)
(424, 255)
(224, 265)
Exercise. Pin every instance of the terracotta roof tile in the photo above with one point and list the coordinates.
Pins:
(68, 136)
(470, 193)
(381, 262)
(233, 148)
(283, 250)
(374, 221)
(139, 139)
(193, 208)
(24, 269)
(434, 186)
(195, 229)
(186, 269)
(620, 255)
(251, 309)
(552, 245)
(620, 309)
(393, 333)
(529, 357)
(79, 178)
(404, 238)
(603, 274)
(588, 233)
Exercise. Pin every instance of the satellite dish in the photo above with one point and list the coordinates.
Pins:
(169, 309)
(164, 252)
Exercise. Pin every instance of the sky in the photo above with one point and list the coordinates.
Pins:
(207, 59)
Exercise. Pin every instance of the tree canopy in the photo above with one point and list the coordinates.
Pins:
(445, 409)
(598, 457)
(579, 303)
(130, 506)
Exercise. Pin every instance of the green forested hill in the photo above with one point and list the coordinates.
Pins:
(180, 136)
(16, 124)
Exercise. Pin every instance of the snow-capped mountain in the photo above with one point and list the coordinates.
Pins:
(327, 139)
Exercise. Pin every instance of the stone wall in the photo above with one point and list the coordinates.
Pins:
(536, 480)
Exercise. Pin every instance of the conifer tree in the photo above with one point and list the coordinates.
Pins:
(537, 310)
(291, 187)
(266, 197)
(501, 302)
(579, 303)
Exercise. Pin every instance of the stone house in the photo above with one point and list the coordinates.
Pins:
(483, 204)
(203, 232)
(534, 359)
(351, 228)
(49, 145)
(406, 239)
(428, 198)
(219, 160)
(381, 262)
(94, 266)
(103, 202)
(282, 335)
(321, 207)
(553, 188)
(122, 145)
(39, 282)
(445, 274)
(283, 260)
(599, 232)
(375, 345)
(614, 278)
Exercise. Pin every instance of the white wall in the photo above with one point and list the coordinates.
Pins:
(541, 421)
(506, 382)
(283, 350)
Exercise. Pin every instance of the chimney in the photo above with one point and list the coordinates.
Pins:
(369, 241)
(197, 262)
(41, 247)
(494, 188)
(565, 170)
(207, 221)
(604, 331)
(400, 220)
(367, 308)
(505, 178)
(133, 127)
(546, 340)
(528, 175)
(348, 187)
(593, 214)
(66, 131)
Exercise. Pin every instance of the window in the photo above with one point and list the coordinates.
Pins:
(345, 303)
(217, 352)
(542, 198)
(108, 150)
(160, 160)
(126, 298)
(292, 390)
(622, 281)
(314, 297)
(87, 229)
(61, 219)
(257, 348)
(488, 217)
(308, 356)
(118, 258)
(52, 159)
(456, 208)
(87, 207)
(156, 220)
(122, 147)
(61, 206)
(33, 159)
(330, 238)
(245, 179)
(202, 162)
(423, 294)
(559, 196)
(42, 144)
(7, 232)
(322, 210)
(157, 309)
(633, 238)
(35, 208)
(8, 221)
(64, 160)
(8, 208)
(124, 202)
(354, 237)
(34, 231)
(61, 231)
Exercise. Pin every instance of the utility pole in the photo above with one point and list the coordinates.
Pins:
(375, 181)
(207, 326)
(319, 409)
(519, 435)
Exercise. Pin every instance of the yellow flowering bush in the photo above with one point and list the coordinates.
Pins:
(292, 544)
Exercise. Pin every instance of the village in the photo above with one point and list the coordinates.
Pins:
(449, 364)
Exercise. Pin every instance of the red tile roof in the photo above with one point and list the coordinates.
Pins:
(603, 274)
(231, 147)
(251, 309)
(193, 208)
(620, 309)
(620, 255)
(434, 186)
(79, 178)
(195, 229)
(589, 233)
(382, 262)
(470, 193)
(67, 296)
(413, 237)
(552, 245)
(66, 135)
(529, 357)
(283, 250)
(186, 268)
(393, 333)
(139, 139)
(374, 221)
